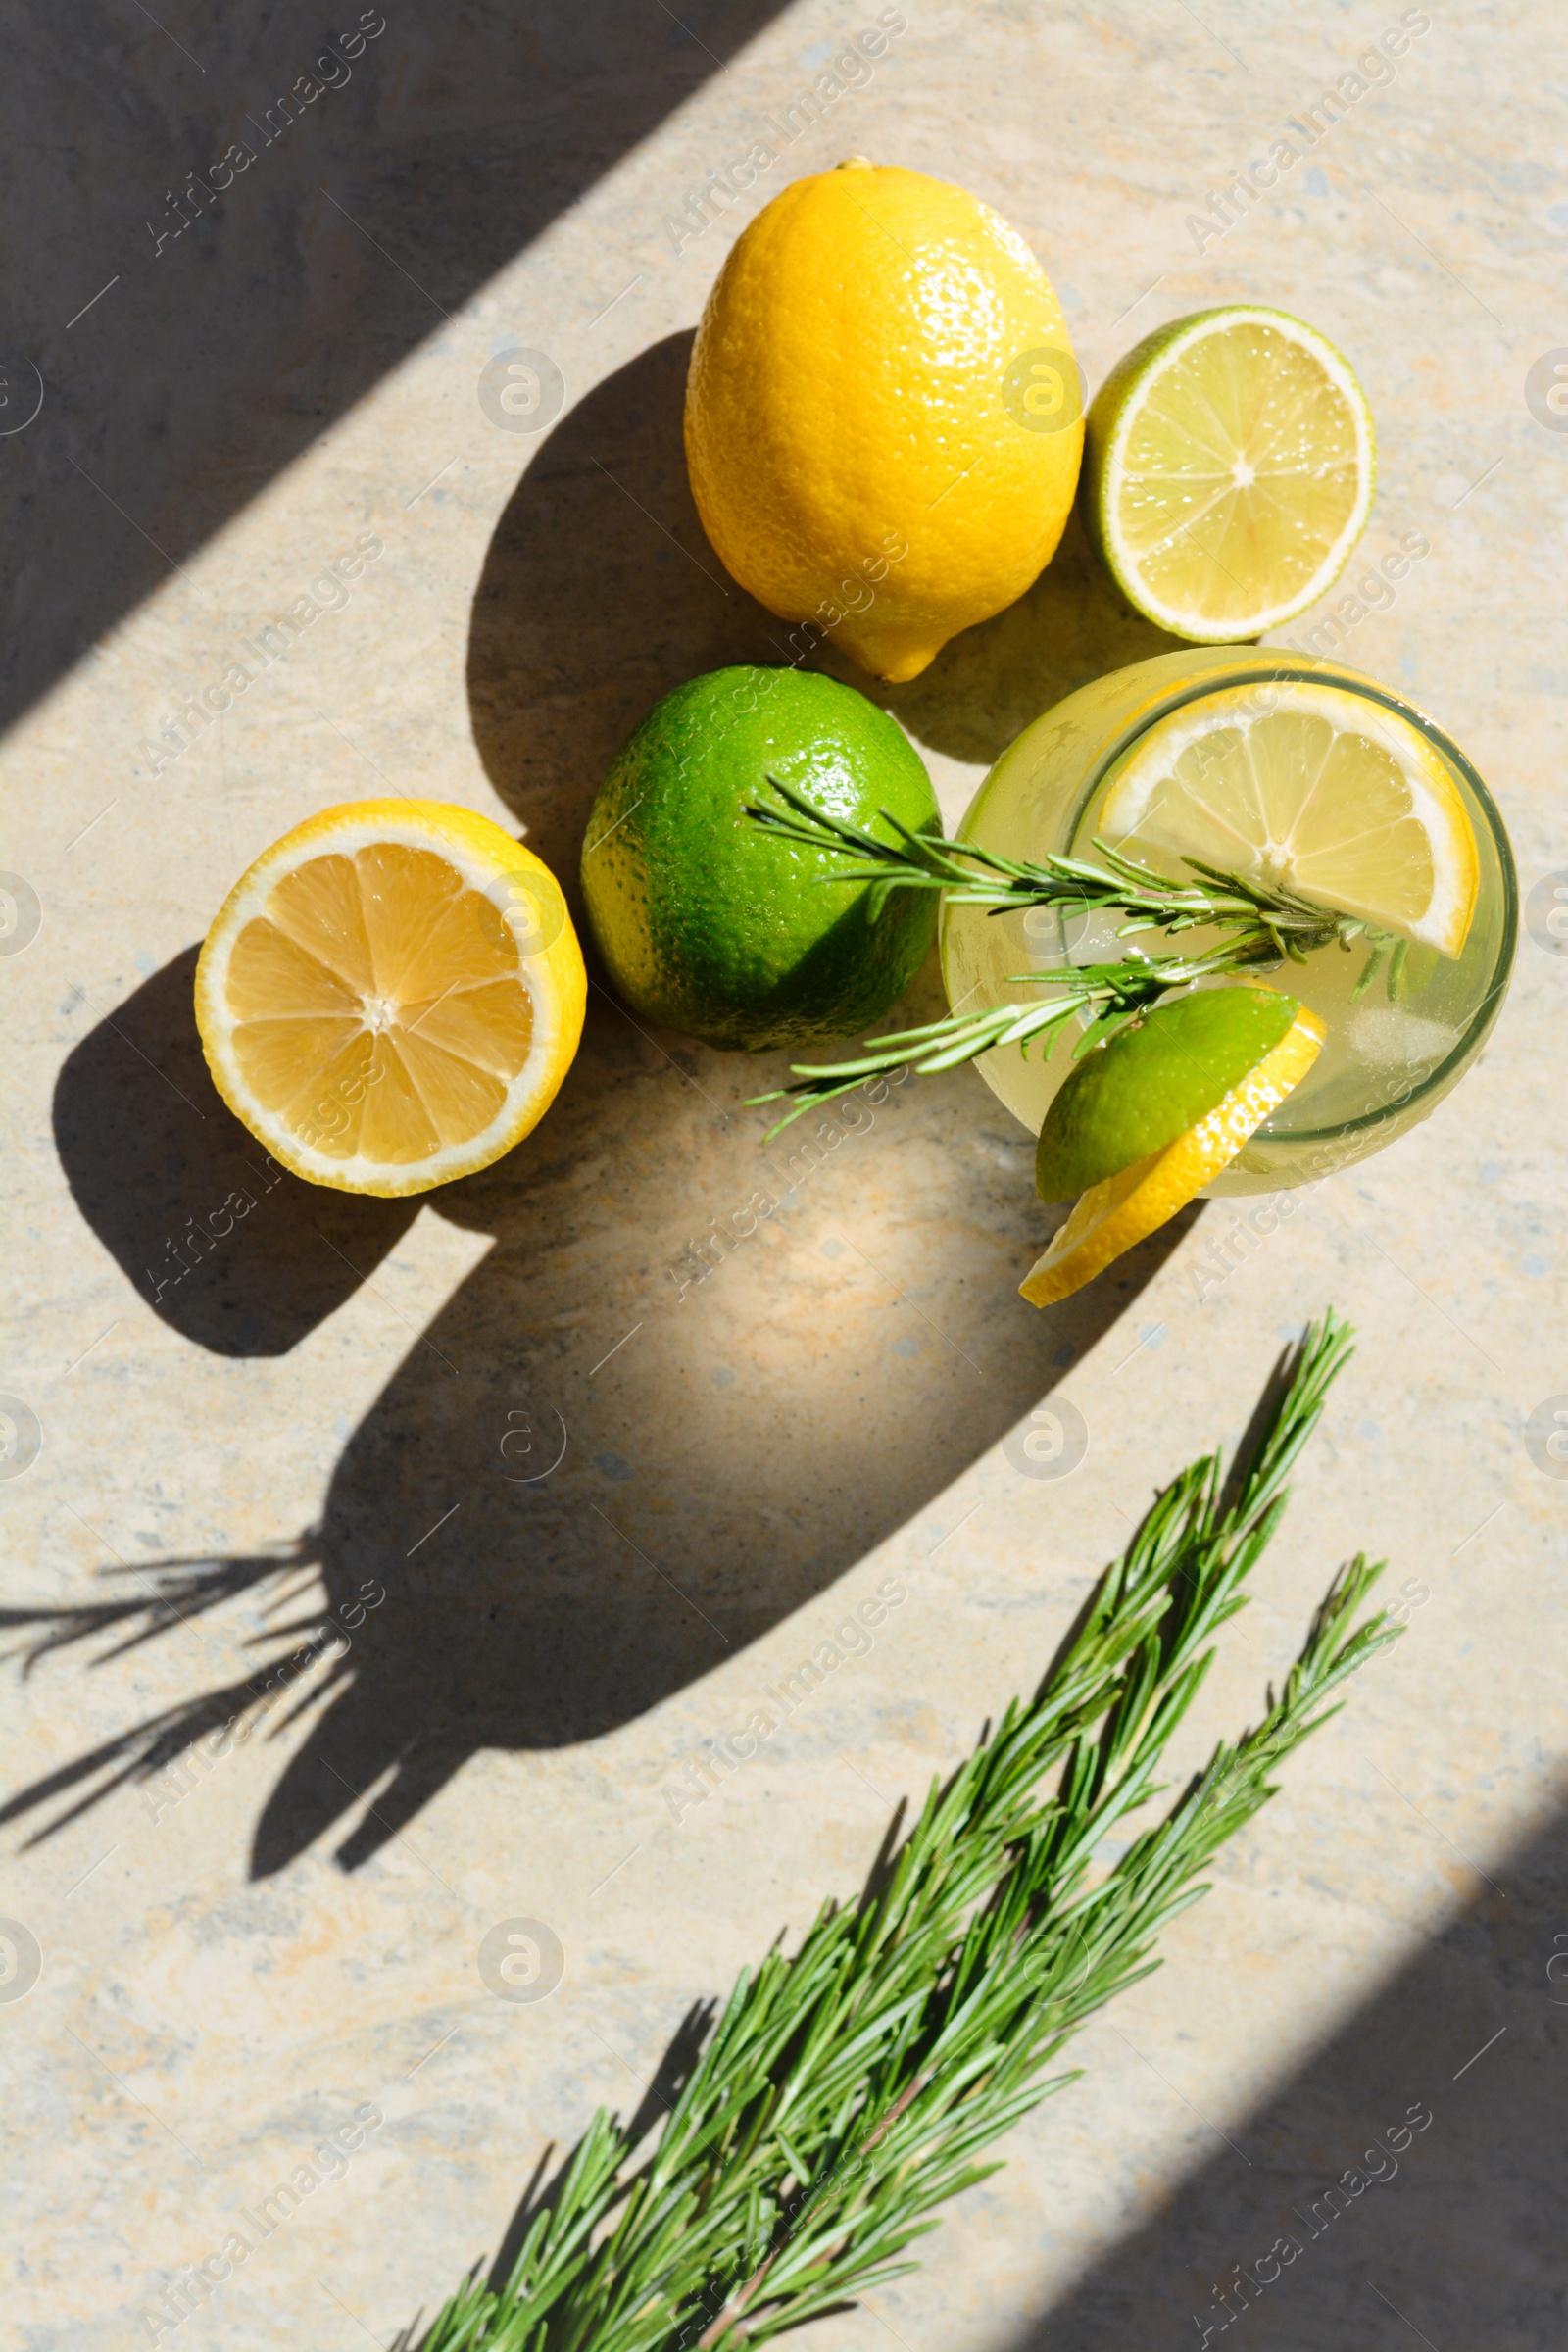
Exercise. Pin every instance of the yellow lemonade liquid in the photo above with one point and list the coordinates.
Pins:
(1386, 1063)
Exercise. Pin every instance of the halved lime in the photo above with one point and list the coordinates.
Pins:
(1295, 783)
(1228, 472)
(1151, 1080)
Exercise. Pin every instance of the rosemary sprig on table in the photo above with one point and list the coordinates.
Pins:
(1261, 924)
(846, 2092)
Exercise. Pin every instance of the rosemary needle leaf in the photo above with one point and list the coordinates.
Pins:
(1256, 925)
(846, 2092)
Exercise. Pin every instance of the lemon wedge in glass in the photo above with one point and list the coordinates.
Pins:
(391, 996)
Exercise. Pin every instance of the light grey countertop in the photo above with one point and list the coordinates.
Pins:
(243, 1944)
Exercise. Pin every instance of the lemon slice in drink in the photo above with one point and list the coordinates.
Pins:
(1228, 472)
(1113, 1216)
(1303, 785)
(391, 996)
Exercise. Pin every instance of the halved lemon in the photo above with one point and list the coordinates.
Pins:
(1228, 472)
(1111, 1217)
(1290, 782)
(391, 996)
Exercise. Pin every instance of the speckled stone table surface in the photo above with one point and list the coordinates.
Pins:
(283, 1458)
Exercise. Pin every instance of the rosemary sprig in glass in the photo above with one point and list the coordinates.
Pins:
(846, 2092)
(1261, 926)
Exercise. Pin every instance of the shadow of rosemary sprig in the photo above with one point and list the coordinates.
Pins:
(846, 2090)
(1263, 925)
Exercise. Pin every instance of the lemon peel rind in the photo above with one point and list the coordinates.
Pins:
(1112, 1217)
(794, 534)
(1106, 469)
(482, 855)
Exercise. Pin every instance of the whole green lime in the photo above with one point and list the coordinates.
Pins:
(1151, 1080)
(709, 924)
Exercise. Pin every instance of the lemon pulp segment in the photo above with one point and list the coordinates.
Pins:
(1310, 787)
(368, 1001)
(383, 968)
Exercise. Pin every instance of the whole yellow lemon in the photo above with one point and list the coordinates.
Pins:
(883, 416)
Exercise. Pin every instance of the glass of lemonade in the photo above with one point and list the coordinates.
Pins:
(1390, 1056)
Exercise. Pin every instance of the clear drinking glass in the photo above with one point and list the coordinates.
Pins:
(1387, 1062)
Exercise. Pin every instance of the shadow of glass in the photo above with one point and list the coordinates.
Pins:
(1341, 2222)
(236, 309)
(607, 1464)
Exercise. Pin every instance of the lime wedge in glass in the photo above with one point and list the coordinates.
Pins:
(1113, 1216)
(1151, 1080)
